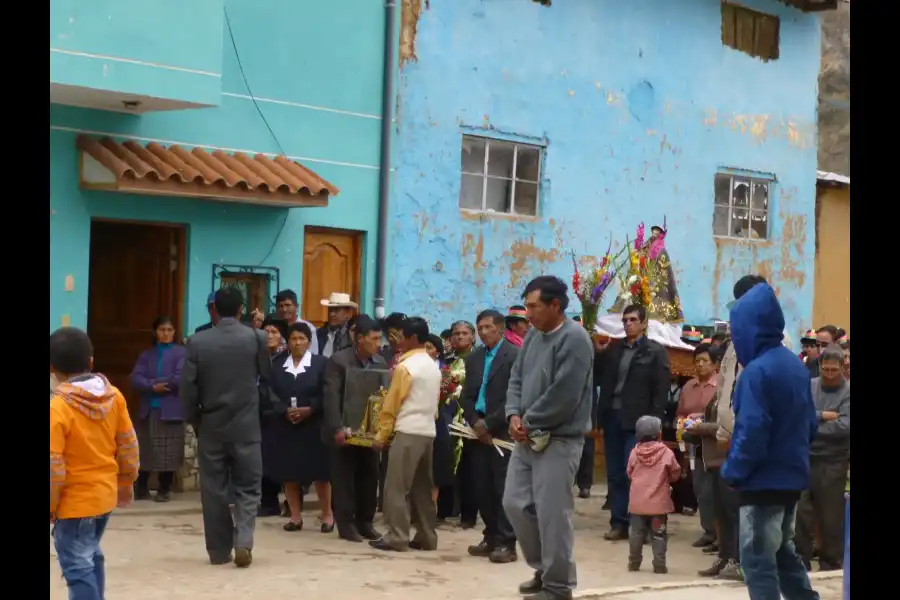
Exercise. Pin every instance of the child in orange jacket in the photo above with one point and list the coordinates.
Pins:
(93, 460)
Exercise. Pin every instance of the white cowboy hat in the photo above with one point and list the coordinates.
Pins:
(336, 300)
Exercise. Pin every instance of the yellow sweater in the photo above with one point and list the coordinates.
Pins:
(93, 448)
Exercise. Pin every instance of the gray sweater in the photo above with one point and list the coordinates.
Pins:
(551, 383)
(833, 437)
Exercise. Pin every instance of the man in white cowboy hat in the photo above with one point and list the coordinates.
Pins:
(335, 336)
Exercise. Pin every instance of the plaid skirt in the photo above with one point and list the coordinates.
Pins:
(161, 443)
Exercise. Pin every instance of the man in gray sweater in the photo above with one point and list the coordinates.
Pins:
(821, 507)
(548, 406)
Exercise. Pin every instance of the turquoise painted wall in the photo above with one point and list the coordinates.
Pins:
(639, 105)
(166, 48)
(321, 97)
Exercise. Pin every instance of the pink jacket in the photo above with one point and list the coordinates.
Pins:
(652, 469)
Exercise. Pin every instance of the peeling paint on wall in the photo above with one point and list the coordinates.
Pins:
(410, 11)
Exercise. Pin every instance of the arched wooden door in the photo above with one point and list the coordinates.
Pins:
(332, 261)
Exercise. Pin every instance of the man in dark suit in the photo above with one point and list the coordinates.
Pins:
(222, 368)
(213, 315)
(354, 470)
(483, 401)
(634, 379)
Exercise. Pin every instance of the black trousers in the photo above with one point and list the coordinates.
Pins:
(269, 497)
(354, 486)
(726, 506)
(489, 470)
(465, 483)
(584, 477)
(821, 508)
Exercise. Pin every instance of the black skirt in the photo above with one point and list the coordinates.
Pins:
(294, 453)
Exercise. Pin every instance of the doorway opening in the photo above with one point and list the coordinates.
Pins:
(137, 273)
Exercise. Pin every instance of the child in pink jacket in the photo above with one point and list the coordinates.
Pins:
(652, 469)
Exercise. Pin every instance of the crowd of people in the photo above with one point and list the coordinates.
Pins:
(267, 396)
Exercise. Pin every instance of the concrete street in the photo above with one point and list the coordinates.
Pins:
(156, 552)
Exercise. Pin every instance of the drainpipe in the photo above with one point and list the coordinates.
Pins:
(384, 175)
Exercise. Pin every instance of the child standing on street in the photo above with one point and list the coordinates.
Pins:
(93, 461)
(652, 469)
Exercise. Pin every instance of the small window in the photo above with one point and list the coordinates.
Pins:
(742, 207)
(499, 177)
(751, 32)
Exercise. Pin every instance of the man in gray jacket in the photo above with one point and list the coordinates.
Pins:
(822, 504)
(222, 369)
(548, 407)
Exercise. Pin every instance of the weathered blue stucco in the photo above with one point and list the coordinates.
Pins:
(315, 69)
(164, 49)
(640, 105)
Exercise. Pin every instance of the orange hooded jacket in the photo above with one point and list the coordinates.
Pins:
(93, 447)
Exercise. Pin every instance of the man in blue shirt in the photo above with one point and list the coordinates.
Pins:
(483, 401)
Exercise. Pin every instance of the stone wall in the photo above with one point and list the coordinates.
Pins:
(190, 474)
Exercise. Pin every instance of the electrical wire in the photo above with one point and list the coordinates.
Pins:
(237, 57)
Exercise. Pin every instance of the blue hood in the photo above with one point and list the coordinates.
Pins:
(757, 323)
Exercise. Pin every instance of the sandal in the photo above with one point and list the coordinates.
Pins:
(291, 526)
(327, 527)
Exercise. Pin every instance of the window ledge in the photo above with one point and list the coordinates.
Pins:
(741, 240)
(478, 215)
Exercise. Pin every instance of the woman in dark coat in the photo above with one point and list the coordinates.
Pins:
(276, 331)
(160, 422)
(296, 454)
(442, 451)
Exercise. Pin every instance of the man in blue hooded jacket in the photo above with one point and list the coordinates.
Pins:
(768, 461)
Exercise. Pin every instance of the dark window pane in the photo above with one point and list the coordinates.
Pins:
(759, 224)
(473, 156)
(497, 198)
(720, 221)
(528, 163)
(760, 197)
(526, 198)
(723, 188)
(740, 223)
(470, 192)
(500, 159)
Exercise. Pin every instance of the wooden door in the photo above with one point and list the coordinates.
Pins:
(136, 275)
(331, 263)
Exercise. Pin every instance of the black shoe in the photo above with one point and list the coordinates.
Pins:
(534, 585)
(291, 526)
(605, 505)
(268, 511)
(584, 493)
(616, 534)
(163, 497)
(220, 560)
(417, 545)
(467, 524)
(714, 569)
(243, 557)
(703, 542)
(141, 494)
(711, 549)
(634, 566)
(327, 527)
(482, 549)
(350, 535)
(368, 532)
(503, 554)
(382, 544)
(660, 569)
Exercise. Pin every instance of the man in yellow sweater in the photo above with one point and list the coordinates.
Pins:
(93, 461)
(409, 411)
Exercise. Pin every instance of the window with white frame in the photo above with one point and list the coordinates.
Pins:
(742, 207)
(499, 176)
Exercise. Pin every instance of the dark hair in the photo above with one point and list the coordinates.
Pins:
(276, 322)
(830, 329)
(438, 344)
(845, 344)
(70, 351)
(551, 288)
(446, 334)
(719, 336)
(841, 332)
(393, 321)
(159, 322)
(300, 327)
(492, 314)
(746, 283)
(366, 325)
(636, 308)
(517, 307)
(416, 327)
(284, 295)
(229, 301)
(703, 348)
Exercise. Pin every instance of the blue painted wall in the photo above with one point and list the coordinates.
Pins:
(619, 151)
(166, 49)
(315, 69)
